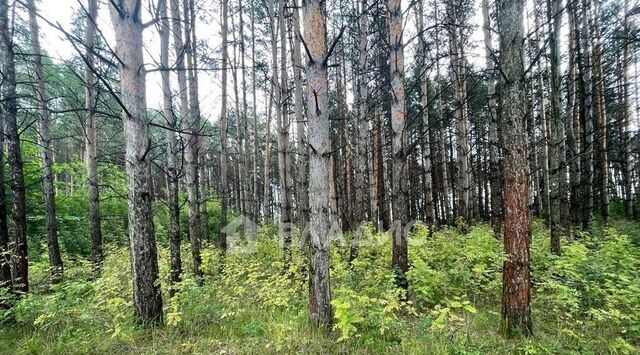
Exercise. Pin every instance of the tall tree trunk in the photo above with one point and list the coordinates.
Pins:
(446, 204)
(558, 181)
(494, 155)
(315, 29)
(303, 155)
(600, 126)
(266, 192)
(238, 166)
(19, 262)
(244, 147)
(7, 114)
(46, 154)
(362, 101)
(572, 119)
(147, 298)
(195, 108)
(624, 120)
(458, 75)
(172, 151)
(283, 131)
(254, 159)
(426, 126)
(586, 94)
(189, 135)
(516, 282)
(224, 184)
(343, 156)
(400, 258)
(91, 101)
(546, 144)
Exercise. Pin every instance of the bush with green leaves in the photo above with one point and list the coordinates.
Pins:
(584, 301)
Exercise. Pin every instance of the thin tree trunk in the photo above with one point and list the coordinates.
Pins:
(7, 114)
(494, 155)
(600, 126)
(190, 130)
(446, 210)
(516, 311)
(624, 120)
(224, 195)
(283, 132)
(458, 76)
(426, 126)
(254, 160)
(91, 101)
(586, 88)
(195, 107)
(314, 14)
(244, 147)
(239, 187)
(172, 151)
(147, 298)
(362, 101)
(46, 154)
(558, 181)
(572, 119)
(266, 192)
(303, 155)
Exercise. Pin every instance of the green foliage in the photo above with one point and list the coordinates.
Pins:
(585, 301)
(450, 264)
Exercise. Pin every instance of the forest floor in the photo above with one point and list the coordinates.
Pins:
(586, 301)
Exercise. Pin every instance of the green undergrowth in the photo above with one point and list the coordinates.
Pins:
(586, 301)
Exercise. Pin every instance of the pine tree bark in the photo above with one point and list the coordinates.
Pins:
(362, 100)
(7, 92)
(254, 159)
(237, 166)
(266, 191)
(302, 141)
(624, 120)
(494, 143)
(224, 184)
(426, 126)
(600, 123)
(442, 155)
(282, 124)
(128, 26)
(572, 119)
(458, 76)
(400, 259)
(91, 102)
(175, 263)
(189, 135)
(586, 102)
(516, 311)
(195, 108)
(244, 146)
(315, 28)
(46, 154)
(18, 246)
(558, 182)
(546, 149)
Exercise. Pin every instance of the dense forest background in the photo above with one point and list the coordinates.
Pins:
(450, 176)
